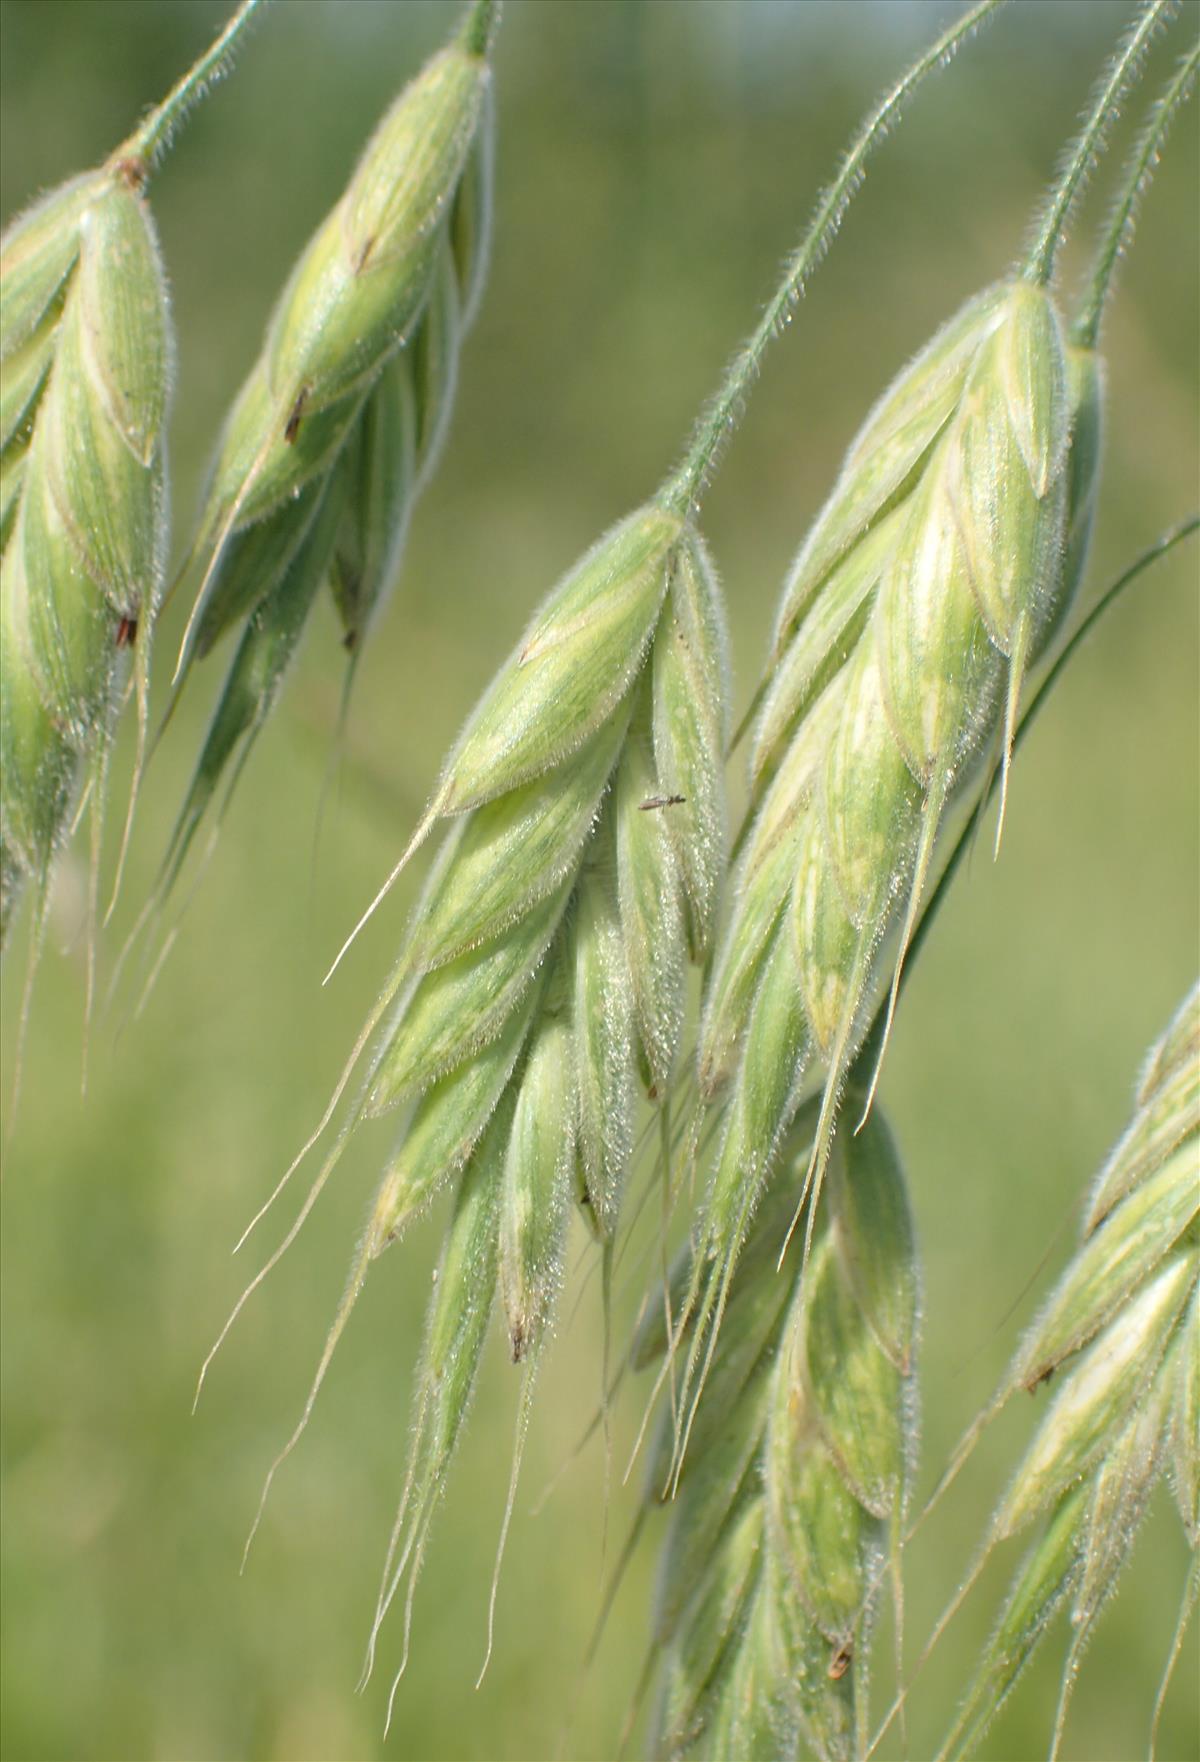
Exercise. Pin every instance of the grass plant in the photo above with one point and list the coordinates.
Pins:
(615, 995)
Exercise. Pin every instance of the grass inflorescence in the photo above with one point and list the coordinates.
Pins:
(532, 1034)
(933, 579)
(541, 982)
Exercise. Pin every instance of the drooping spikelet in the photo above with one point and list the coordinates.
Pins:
(349, 400)
(85, 358)
(1121, 1338)
(789, 1504)
(543, 968)
(924, 590)
(581, 868)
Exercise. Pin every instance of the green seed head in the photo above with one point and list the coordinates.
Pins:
(364, 278)
(929, 580)
(543, 963)
(562, 879)
(86, 337)
(354, 298)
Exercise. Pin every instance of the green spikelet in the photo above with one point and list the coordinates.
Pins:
(530, 986)
(350, 397)
(455, 1331)
(790, 1501)
(1121, 1338)
(924, 591)
(559, 877)
(85, 351)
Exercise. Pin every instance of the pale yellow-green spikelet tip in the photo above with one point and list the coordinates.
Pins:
(566, 684)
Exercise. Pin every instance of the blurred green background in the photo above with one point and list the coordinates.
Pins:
(656, 162)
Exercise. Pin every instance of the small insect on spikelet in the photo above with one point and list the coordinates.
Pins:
(1121, 1338)
(348, 403)
(85, 354)
(789, 1506)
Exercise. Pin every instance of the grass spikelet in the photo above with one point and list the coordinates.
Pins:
(86, 349)
(356, 377)
(512, 1021)
(941, 548)
(650, 898)
(604, 1036)
(690, 714)
(536, 1193)
(86, 362)
(1120, 1336)
(785, 1519)
(455, 1331)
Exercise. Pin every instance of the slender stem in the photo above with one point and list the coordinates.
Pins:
(479, 27)
(683, 488)
(1118, 76)
(1166, 541)
(153, 133)
(1086, 327)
